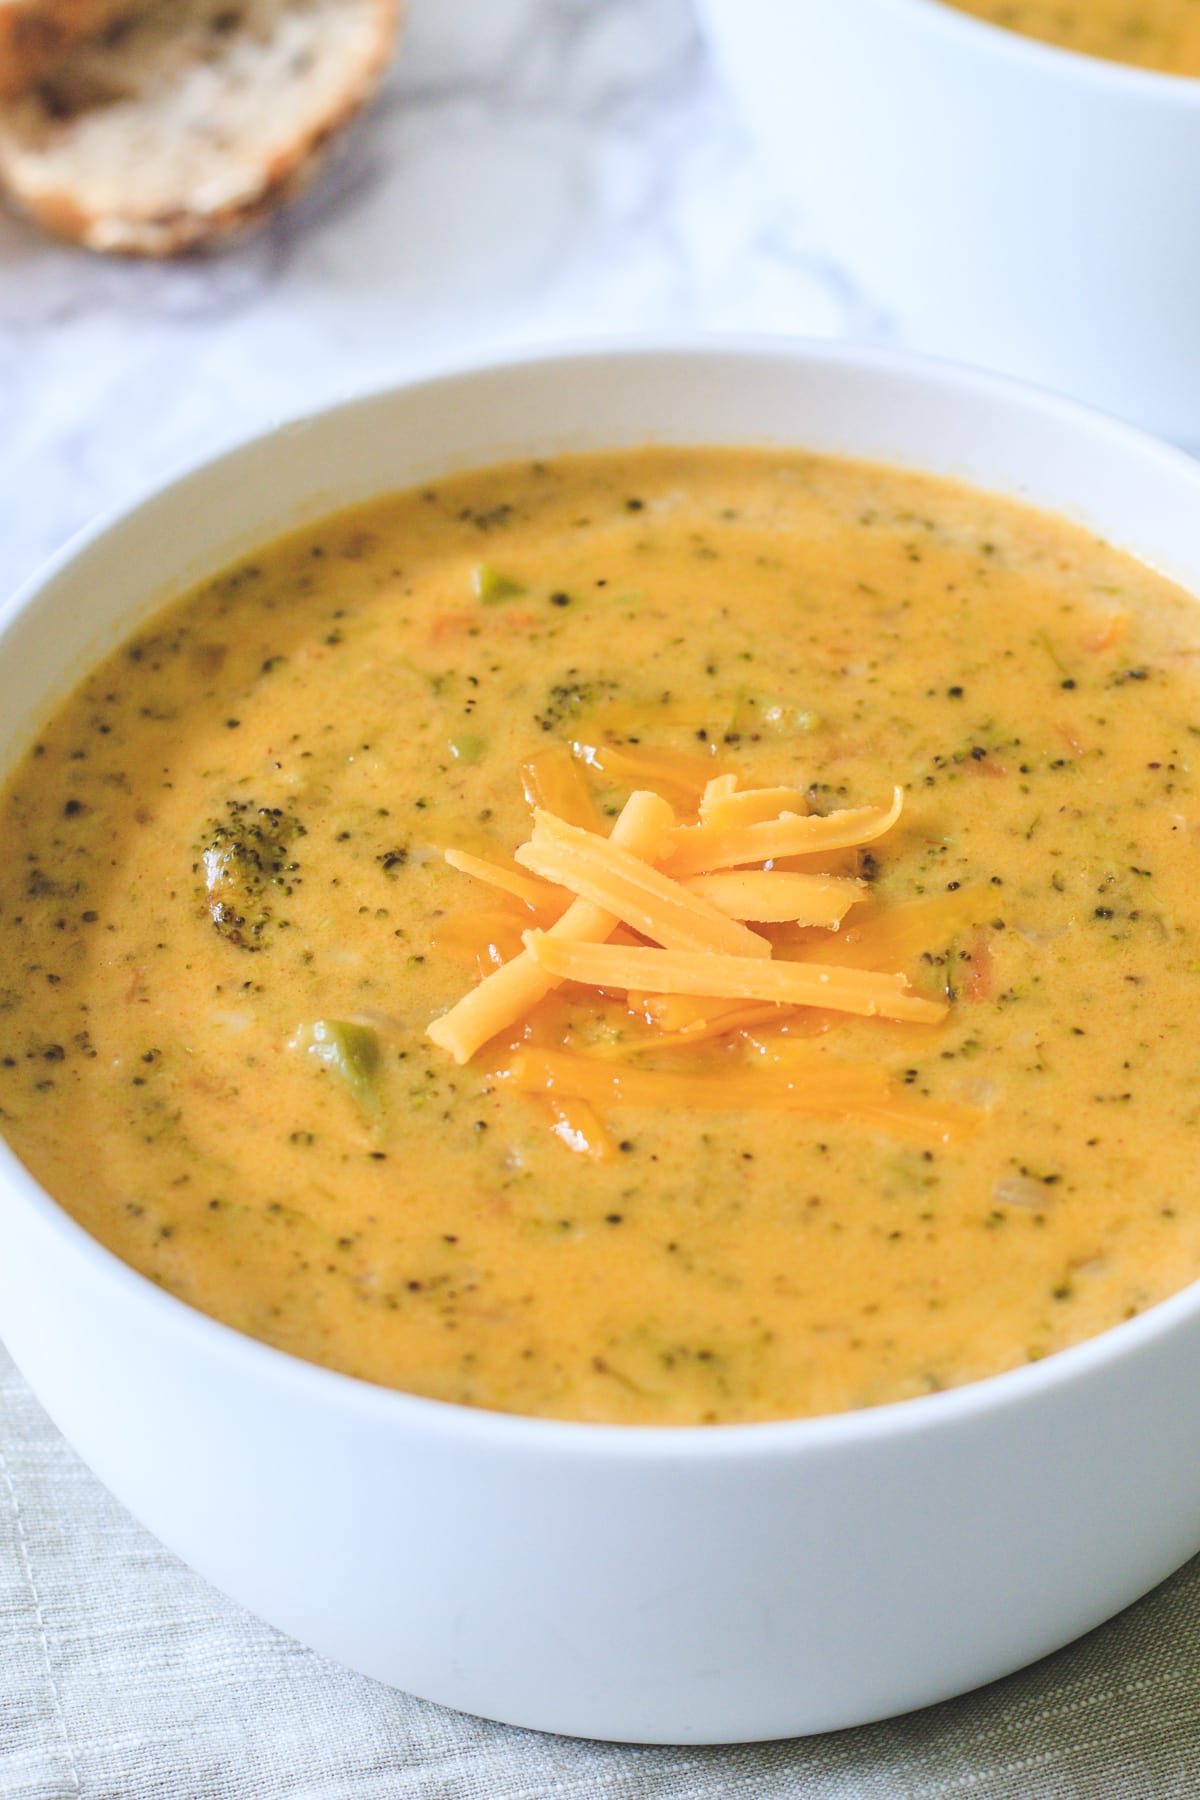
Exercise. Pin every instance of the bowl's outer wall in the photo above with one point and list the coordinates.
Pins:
(658, 1586)
(1016, 206)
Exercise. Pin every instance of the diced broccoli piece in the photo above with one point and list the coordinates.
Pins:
(467, 749)
(493, 586)
(352, 1053)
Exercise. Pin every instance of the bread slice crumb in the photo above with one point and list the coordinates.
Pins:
(185, 125)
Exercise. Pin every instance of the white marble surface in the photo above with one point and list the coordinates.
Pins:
(536, 169)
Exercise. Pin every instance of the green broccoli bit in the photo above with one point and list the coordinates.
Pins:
(492, 586)
(771, 716)
(467, 749)
(248, 863)
(352, 1053)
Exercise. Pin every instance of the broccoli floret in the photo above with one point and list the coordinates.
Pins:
(247, 863)
(566, 700)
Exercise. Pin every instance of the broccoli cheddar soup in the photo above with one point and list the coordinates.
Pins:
(680, 936)
(1150, 34)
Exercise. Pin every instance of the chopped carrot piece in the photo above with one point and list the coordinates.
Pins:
(1110, 633)
(450, 624)
(979, 982)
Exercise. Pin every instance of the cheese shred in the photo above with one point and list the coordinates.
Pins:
(700, 849)
(660, 910)
(633, 890)
(613, 967)
(507, 995)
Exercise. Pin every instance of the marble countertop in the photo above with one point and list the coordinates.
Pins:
(535, 170)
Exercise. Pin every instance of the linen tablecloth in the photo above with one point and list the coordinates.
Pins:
(123, 1676)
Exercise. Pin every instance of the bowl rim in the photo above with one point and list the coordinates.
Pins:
(944, 15)
(402, 1411)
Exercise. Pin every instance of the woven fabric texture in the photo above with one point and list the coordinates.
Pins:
(123, 1676)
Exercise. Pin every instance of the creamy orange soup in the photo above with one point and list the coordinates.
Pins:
(1151, 34)
(226, 925)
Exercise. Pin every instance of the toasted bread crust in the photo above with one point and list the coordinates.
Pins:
(34, 34)
(200, 122)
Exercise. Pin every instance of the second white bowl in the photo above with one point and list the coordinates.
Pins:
(1002, 201)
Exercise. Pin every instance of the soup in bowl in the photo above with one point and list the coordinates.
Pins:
(624, 922)
(1147, 34)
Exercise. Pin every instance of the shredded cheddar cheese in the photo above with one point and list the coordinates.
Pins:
(723, 805)
(506, 996)
(891, 938)
(611, 966)
(574, 1122)
(710, 1019)
(659, 911)
(542, 896)
(633, 890)
(859, 1091)
(778, 897)
(554, 780)
(701, 849)
(677, 775)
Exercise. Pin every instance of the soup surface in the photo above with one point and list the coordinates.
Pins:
(1151, 34)
(226, 924)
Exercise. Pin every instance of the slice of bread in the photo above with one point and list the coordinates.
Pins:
(35, 33)
(185, 124)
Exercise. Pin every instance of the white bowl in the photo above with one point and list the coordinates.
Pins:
(682, 1585)
(1004, 201)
